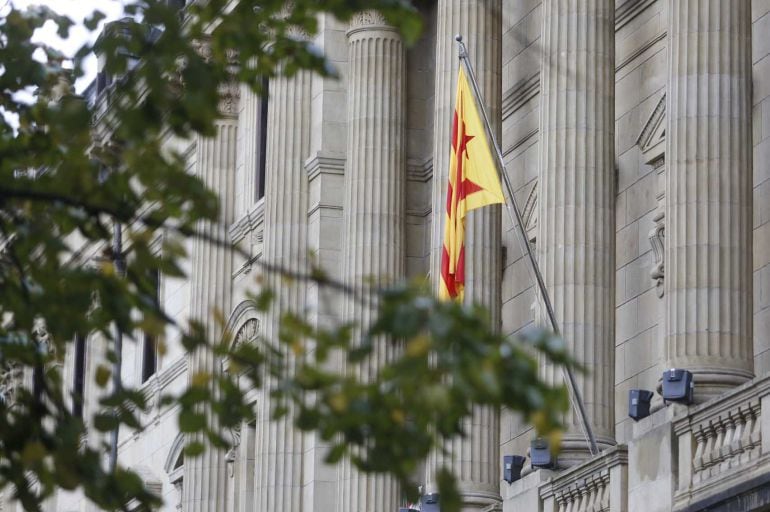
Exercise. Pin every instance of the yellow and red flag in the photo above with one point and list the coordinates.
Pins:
(473, 183)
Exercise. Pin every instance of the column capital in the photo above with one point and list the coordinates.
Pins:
(229, 98)
(369, 20)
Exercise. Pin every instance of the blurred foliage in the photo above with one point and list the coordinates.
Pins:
(70, 169)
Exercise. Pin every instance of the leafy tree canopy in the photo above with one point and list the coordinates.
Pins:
(69, 171)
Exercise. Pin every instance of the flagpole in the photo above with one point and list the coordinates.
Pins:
(516, 219)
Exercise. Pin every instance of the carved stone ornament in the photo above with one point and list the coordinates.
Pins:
(367, 19)
(232, 453)
(657, 241)
(11, 379)
(229, 98)
(248, 332)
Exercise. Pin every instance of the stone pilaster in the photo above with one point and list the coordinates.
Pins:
(475, 459)
(247, 166)
(210, 291)
(374, 208)
(576, 201)
(708, 285)
(279, 444)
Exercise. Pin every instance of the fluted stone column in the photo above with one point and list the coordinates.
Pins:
(374, 208)
(576, 201)
(475, 459)
(708, 285)
(205, 476)
(279, 445)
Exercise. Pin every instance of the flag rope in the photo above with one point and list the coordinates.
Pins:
(514, 212)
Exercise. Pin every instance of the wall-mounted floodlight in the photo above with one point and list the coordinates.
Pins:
(540, 454)
(678, 386)
(639, 403)
(512, 465)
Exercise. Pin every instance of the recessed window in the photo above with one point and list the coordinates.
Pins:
(149, 341)
(262, 139)
(79, 376)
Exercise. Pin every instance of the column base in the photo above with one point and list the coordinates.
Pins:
(575, 450)
(476, 497)
(479, 500)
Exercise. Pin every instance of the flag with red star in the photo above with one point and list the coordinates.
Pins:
(473, 183)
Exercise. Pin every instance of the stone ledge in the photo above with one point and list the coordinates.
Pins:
(249, 222)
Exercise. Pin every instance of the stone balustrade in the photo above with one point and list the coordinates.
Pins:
(598, 485)
(587, 495)
(721, 443)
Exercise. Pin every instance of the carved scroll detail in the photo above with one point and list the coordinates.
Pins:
(657, 238)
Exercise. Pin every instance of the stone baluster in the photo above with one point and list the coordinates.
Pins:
(700, 447)
(740, 423)
(374, 208)
(756, 429)
(475, 458)
(708, 285)
(576, 200)
(708, 450)
(572, 501)
(588, 495)
(726, 450)
(746, 441)
(606, 495)
(716, 453)
(205, 477)
(279, 447)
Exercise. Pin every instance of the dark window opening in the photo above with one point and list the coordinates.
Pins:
(264, 100)
(149, 343)
(78, 382)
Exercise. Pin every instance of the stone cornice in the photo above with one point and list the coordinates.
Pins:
(520, 141)
(640, 50)
(168, 374)
(249, 222)
(529, 214)
(419, 170)
(521, 93)
(322, 164)
(629, 10)
(651, 140)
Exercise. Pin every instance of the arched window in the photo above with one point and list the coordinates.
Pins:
(175, 467)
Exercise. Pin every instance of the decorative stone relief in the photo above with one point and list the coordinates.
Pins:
(657, 236)
(367, 19)
(248, 332)
(178, 490)
(232, 453)
(652, 144)
(11, 378)
(229, 97)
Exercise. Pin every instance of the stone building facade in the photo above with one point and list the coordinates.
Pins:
(636, 134)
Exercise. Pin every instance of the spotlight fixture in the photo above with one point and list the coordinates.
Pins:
(639, 403)
(540, 454)
(512, 465)
(430, 503)
(678, 386)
